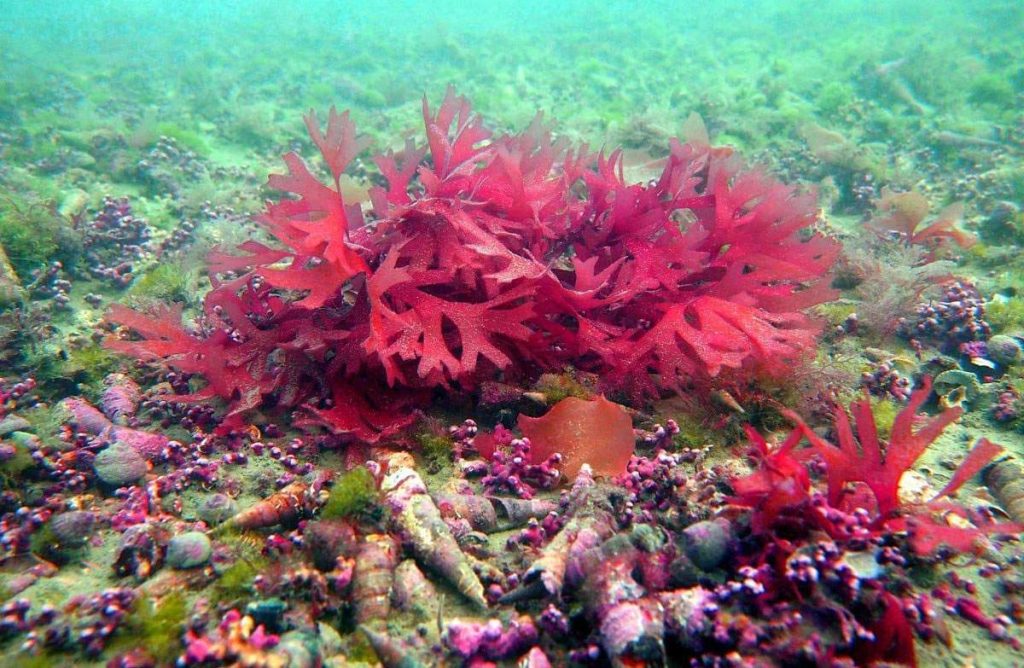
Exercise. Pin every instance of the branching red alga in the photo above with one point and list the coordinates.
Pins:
(863, 472)
(498, 256)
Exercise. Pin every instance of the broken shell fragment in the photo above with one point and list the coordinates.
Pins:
(956, 386)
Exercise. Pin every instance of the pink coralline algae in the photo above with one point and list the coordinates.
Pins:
(85, 418)
(508, 467)
(512, 254)
(490, 640)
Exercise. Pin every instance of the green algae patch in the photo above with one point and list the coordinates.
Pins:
(166, 282)
(436, 450)
(557, 386)
(154, 625)
(354, 494)
(235, 583)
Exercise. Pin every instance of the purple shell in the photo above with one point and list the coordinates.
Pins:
(120, 398)
(84, 416)
(147, 444)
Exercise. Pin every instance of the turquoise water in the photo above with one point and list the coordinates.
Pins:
(588, 64)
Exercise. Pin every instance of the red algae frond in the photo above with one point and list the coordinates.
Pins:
(597, 432)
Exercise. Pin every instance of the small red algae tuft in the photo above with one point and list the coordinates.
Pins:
(596, 432)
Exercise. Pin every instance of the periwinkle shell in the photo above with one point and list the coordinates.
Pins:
(707, 543)
(119, 465)
(72, 529)
(217, 508)
(189, 550)
(1004, 350)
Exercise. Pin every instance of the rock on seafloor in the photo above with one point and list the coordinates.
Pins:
(119, 465)
(188, 550)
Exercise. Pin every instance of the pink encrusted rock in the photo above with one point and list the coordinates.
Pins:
(120, 397)
(148, 444)
(83, 416)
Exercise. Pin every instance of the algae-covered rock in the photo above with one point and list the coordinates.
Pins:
(11, 291)
(73, 528)
(189, 550)
(119, 465)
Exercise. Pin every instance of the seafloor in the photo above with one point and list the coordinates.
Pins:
(455, 389)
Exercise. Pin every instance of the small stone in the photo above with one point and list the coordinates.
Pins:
(217, 508)
(189, 550)
(1004, 350)
(13, 423)
(72, 529)
(119, 465)
(707, 543)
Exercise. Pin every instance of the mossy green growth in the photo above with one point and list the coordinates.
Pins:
(835, 313)
(354, 493)
(187, 138)
(436, 450)
(693, 433)
(885, 412)
(42, 660)
(991, 89)
(43, 543)
(154, 625)
(1005, 315)
(166, 283)
(71, 370)
(833, 96)
(33, 235)
(235, 583)
(11, 470)
(558, 386)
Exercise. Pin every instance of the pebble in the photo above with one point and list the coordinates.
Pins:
(119, 465)
(189, 550)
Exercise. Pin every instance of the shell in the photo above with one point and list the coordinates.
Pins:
(217, 508)
(13, 423)
(948, 384)
(391, 652)
(412, 591)
(373, 577)
(83, 415)
(634, 629)
(477, 510)
(147, 444)
(707, 543)
(326, 540)
(120, 398)
(418, 521)
(141, 551)
(72, 529)
(119, 465)
(1004, 350)
(282, 507)
(513, 513)
(189, 550)
(1005, 479)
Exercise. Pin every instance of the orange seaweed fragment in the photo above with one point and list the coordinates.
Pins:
(596, 432)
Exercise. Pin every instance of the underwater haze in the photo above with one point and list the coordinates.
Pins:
(511, 333)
